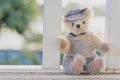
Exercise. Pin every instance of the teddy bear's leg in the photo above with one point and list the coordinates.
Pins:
(103, 67)
(96, 65)
(73, 65)
(77, 64)
(67, 64)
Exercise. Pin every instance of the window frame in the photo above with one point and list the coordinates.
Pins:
(51, 52)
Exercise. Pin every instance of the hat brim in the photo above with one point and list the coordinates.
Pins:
(75, 17)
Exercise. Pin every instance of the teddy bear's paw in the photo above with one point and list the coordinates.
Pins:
(90, 12)
(64, 43)
(61, 41)
(78, 64)
(105, 47)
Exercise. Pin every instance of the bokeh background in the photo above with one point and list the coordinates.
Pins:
(21, 28)
(21, 32)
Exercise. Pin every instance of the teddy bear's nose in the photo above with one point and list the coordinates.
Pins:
(77, 25)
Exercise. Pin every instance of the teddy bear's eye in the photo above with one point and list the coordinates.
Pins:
(72, 24)
(83, 22)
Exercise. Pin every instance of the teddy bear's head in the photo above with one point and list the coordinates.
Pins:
(77, 20)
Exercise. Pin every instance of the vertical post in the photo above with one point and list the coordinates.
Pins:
(52, 25)
(113, 32)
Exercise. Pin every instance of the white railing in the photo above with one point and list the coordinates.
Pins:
(113, 32)
(52, 25)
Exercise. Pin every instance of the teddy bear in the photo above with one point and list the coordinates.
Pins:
(80, 44)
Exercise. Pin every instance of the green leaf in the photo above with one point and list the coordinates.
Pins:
(18, 13)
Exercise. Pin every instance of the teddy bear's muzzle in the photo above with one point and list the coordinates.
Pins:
(77, 26)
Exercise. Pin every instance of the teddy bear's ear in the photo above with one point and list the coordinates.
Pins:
(89, 12)
(64, 19)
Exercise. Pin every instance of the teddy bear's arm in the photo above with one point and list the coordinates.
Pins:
(64, 43)
(98, 44)
(96, 40)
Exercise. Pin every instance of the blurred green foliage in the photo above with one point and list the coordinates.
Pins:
(35, 38)
(14, 61)
(31, 37)
(18, 13)
(32, 56)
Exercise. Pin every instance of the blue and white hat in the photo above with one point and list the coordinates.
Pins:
(75, 14)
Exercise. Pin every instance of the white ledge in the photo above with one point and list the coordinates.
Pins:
(57, 76)
(38, 73)
(29, 68)
(38, 68)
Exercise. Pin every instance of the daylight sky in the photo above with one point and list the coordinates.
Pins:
(96, 3)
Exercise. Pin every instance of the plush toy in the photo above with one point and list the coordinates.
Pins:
(80, 45)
